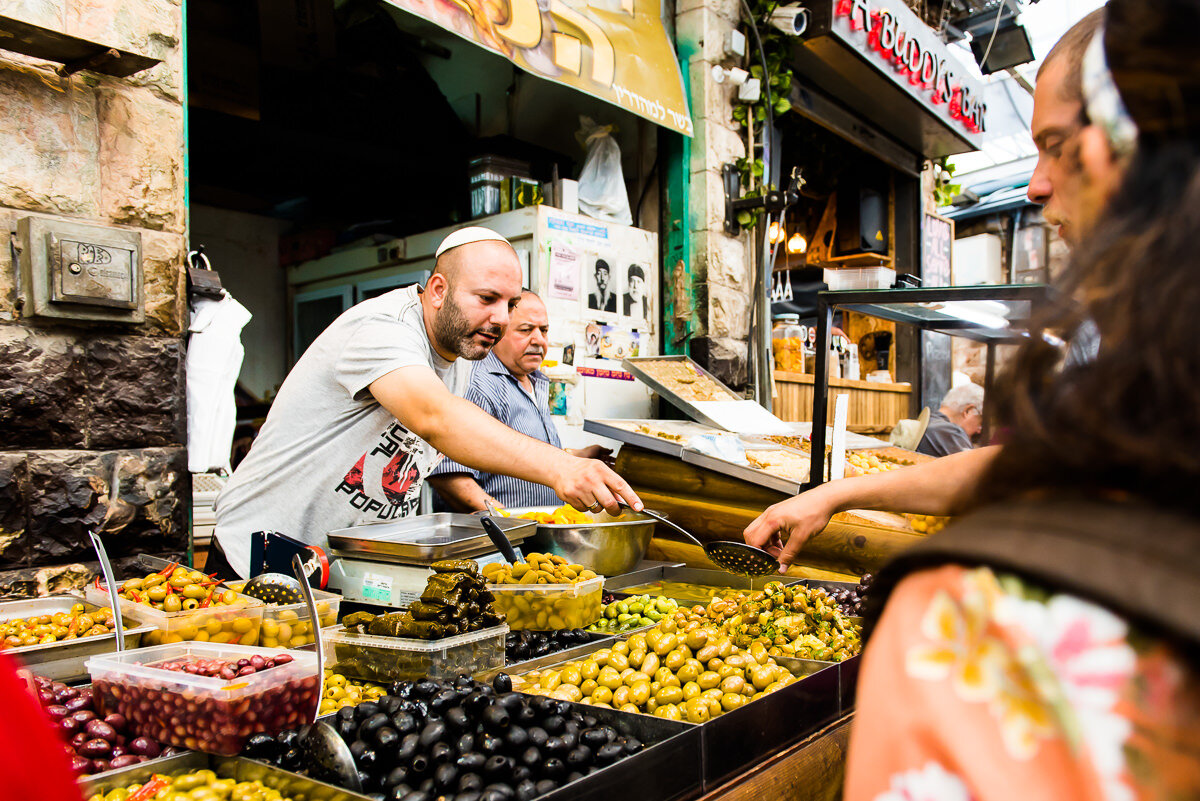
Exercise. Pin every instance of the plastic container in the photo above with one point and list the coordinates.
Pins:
(549, 607)
(234, 625)
(386, 659)
(490, 186)
(787, 343)
(860, 278)
(201, 713)
(290, 626)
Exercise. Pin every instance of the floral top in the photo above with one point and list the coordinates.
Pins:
(983, 687)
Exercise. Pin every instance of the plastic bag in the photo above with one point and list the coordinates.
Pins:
(601, 183)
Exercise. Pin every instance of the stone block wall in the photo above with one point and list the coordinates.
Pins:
(78, 399)
(721, 264)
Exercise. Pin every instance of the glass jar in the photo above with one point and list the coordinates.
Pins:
(787, 343)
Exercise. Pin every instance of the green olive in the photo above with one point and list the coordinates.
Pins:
(172, 604)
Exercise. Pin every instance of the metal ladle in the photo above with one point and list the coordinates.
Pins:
(735, 557)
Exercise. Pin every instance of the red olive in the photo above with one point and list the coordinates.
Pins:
(125, 760)
(101, 730)
(95, 749)
(144, 746)
(77, 703)
(101, 765)
(83, 715)
(81, 765)
(57, 711)
(68, 725)
(117, 721)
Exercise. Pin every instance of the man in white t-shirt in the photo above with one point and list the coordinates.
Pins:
(365, 414)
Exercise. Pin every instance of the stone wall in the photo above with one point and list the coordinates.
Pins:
(721, 264)
(77, 400)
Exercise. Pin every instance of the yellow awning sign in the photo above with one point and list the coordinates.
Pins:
(616, 50)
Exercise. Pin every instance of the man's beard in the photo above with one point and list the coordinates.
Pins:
(454, 333)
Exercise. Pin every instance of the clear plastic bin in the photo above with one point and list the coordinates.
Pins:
(289, 626)
(234, 625)
(387, 659)
(202, 713)
(549, 607)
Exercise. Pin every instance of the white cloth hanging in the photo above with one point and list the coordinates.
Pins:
(214, 359)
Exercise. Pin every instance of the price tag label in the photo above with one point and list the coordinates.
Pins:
(376, 588)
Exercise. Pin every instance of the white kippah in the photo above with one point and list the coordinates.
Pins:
(465, 236)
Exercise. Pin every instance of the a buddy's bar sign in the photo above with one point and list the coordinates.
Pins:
(890, 33)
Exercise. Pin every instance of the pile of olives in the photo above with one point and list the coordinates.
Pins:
(521, 646)
(850, 601)
(199, 784)
(463, 740)
(539, 594)
(176, 589)
(635, 612)
(42, 629)
(538, 568)
(340, 691)
(694, 675)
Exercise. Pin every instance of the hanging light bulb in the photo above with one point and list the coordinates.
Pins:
(775, 233)
(797, 244)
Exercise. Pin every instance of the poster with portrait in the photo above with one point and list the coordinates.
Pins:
(601, 281)
(636, 295)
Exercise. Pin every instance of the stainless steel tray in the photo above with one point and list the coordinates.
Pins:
(291, 785)
(693, 575)
(620, 430)
(423, 539)
(745, 473)
(634, 366)
(64, 660)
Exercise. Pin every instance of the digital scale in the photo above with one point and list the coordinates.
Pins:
(387, 564)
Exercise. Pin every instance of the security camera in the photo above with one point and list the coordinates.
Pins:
(791, 19)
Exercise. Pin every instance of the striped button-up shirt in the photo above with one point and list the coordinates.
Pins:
(497, 391)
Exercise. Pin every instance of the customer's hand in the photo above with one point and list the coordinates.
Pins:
(590, 485)
(783, 528)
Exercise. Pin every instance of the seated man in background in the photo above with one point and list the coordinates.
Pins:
(952, 426)
(508, 385)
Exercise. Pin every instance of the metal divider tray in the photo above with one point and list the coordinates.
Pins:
(745, 472)
(637, 366)
(626, 431)
(291, 785)
(64, 660)
(423, 539)
(692, 575)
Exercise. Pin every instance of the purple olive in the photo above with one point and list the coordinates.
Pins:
(116, 720)
(83, 715)
(57, 711)
(95, 748)
(101, 730)
(118, 750)
(47, 697)
(101, 765)
(78, 703)
(81, 765)
(169, 751)
(79, 738)
(144, 746)
(69, 725)
(125, 760)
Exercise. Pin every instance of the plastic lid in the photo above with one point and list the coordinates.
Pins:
(786, 318)
(340, 635)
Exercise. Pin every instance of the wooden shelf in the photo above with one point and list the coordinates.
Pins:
(844, 383)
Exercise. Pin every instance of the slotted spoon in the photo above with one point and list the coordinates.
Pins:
(735, 557)
(274, 588)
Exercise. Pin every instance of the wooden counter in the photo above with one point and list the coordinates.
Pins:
(872, 406)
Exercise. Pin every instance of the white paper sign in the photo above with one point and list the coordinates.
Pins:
(837, 457)
(564, 272)
(743, 417)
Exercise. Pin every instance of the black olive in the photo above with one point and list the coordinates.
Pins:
(263, 747)
(443, 700)
(573, 775)
(497, 767)
(372, 724)
(358, 747)
(387, 737)
(632, 745)
(404, 723)
(546, 786)
(593, 738)
(424, 689)
(504, 790)
(426, 786)
(366, 780)
(463, 681)
(569, 739)
(442, 752)
(572, 726)
(367, 760)
(397, 776)
(526, 715)
(345, 713)
(579, 757)
(520, 773)
(608, 754)
(290, 759)
(471, 762)
(416, 795)
(366, 709)
(531, 756)
(526, 791)
(610, 733)
(398, 792)
(445, 777)
(563, 708)
(502, 683)
(516, 737)
(541, 649)
(432, 733)
(554, 724)
(489, 743)
(457, 717)
(401, 689)
(543, 705)
(493, 795)
(476, 701)
(553, 768)
(408, 747)
(470, 795)
(419, 707)
(537, 736)
(496, 717)
(468, 782)
(419, 764)
(346, 729)
(588, 722)
(465, 744)
(555, 747)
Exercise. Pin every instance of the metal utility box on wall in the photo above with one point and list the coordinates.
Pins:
(71, 271)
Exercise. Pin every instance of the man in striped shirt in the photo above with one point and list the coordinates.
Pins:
(508, 385)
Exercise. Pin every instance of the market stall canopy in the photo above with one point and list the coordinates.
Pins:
(878, 58)
(617, 50)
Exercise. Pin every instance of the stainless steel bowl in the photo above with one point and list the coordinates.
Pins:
(610, 545)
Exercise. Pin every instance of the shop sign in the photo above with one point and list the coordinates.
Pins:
(617, 51)
(907, 49)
